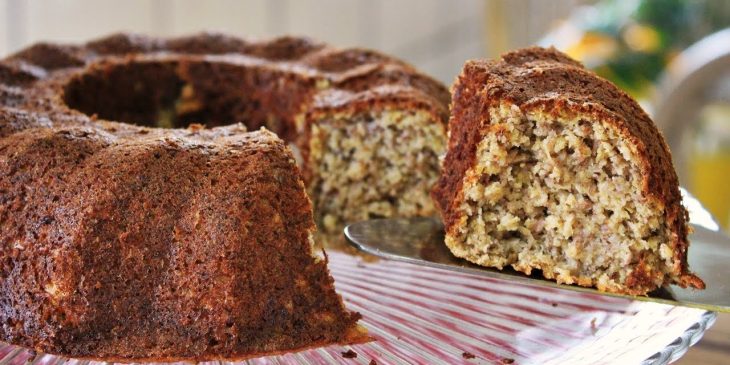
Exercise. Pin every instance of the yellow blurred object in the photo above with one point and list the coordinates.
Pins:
(642, 38)
(709, 163)
(711, 184)
(593, 47)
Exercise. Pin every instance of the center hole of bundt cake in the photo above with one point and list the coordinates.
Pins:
(141, 94)
(152, 94)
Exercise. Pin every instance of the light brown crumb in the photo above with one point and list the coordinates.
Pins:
(373, 165)
(562, 194)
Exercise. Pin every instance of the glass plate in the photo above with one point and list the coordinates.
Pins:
(421, 315)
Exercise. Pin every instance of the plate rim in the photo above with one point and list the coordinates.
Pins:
(677, 348)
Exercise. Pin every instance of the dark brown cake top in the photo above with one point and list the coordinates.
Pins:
(305, 65)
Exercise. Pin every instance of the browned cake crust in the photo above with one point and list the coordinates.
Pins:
(139, 244)
(125, 242)
(545, 79)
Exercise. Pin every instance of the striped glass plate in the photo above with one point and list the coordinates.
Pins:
(421, 315)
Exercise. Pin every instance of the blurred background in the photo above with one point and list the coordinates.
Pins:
(672, 55)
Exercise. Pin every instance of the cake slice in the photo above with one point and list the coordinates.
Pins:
(550, 167)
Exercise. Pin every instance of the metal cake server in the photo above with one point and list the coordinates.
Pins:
(421, 241)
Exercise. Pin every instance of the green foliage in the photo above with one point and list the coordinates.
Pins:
(676, 24)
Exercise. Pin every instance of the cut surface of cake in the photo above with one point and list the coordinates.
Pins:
(552, 168)
(373, 160)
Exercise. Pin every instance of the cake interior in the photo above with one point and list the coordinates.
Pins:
(372, 165)
(560, 193)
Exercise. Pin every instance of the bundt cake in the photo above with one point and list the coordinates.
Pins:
(552, 168)
(123, 239)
